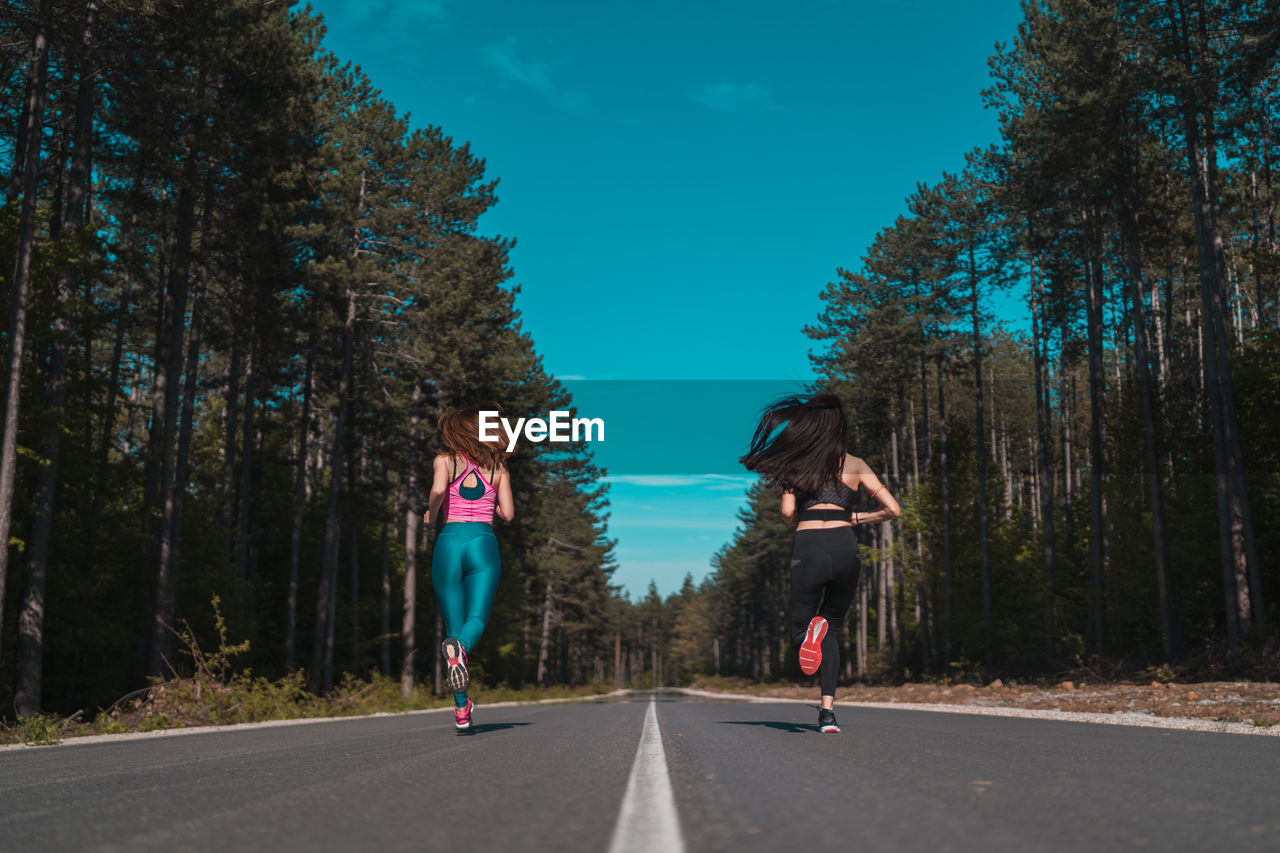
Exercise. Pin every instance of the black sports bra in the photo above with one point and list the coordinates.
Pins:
(837, 493)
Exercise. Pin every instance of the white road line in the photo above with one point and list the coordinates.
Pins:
(647, 821)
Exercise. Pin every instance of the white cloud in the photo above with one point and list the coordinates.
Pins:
(533, 74)
(706, 481)
(735, 97)
(670, 523)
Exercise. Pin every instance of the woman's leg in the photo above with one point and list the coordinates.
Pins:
(481, 569)
(840, 590)
(808, 574)
(446, 579)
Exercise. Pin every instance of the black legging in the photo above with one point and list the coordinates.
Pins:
(824, 567)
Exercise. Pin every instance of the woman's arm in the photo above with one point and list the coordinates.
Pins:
(506, 504)
(789, 508)
(439, 487)
(889, 507)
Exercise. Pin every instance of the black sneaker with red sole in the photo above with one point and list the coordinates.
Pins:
(827, 722)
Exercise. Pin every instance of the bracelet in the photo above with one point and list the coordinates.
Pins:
(855, 520)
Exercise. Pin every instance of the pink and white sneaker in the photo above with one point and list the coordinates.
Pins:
(811, 649)
(462, 717)
(456, 656)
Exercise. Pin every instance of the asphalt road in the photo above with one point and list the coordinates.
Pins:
(744, 776)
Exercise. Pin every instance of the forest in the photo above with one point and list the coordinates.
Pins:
(1097, 491)
(244, 287)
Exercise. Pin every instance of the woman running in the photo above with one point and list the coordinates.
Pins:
(799, 447)
(470, 478)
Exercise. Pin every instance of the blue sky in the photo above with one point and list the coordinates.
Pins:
(683, 179)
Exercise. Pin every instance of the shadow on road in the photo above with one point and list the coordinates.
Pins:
(485, 728)
(792, 728)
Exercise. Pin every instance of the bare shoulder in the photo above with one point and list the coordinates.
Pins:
(443, 458)
(855, 466)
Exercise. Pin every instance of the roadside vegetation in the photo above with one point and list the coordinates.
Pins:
(214, 692)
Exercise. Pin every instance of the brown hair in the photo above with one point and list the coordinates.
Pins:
(460, 433)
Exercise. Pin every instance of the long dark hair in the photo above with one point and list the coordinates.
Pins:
(808, 453)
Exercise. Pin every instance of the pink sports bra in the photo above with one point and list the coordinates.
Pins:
(470, 503)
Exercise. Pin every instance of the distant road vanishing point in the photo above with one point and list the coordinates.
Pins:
(651, 772)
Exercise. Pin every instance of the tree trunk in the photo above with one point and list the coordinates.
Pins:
(1094, 296)
(1242, 580)
(168, 373)
(895, 571)
(354, 568)
(354, 483)
(545, 647)
(922, 624)
(30, 137)
(244, 492)
(28, 697)
(1159, 523)
(915, 449)
(882, 591)
(21, 137)
(384, 571)
(1012, 494)
(326, 598)
(984, 543)
(412, 520)
(104, 446)
(175, 498)
(299, 511)
(1044, 458)
(617, 658)
(924, 420)
(862, 625)
(946, 515)
(229, 516)
(1245, 566)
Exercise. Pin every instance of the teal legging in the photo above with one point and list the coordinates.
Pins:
(464, 571)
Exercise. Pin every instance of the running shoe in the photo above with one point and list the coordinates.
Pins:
(811, 649)
(827, 722)
(462, 717)
(456, 656)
